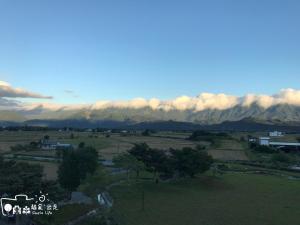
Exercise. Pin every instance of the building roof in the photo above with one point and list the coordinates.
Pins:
(264, 138)
(284, 143)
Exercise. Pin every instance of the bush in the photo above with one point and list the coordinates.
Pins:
(264, 149)
(281, 158)
(200, 147)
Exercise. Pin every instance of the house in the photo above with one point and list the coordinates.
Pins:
(46, 144)
(252, 140)
(264, 141)
(276, 134)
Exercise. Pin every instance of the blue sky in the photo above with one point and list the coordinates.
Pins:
(136, 48)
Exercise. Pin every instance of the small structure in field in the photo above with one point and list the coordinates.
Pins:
(46, 144)
(264, 141)
(252, 140)
(276, 134)
(105, 200)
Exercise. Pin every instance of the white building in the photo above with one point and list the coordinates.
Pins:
(264, 141)
(276, 134)
(53, 145)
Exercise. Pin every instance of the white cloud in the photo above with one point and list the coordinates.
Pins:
(285, 96)
(207, 101)
(6, 90)
(199, 103)
(3, 83)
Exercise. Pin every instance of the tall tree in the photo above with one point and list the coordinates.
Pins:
(69, 172)
(88, 161)
(190, 161)
(75, 166)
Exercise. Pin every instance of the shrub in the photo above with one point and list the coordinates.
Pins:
(264, 149)
(281, 158)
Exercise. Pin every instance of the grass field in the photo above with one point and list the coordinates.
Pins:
(228, 154)
(234, 199)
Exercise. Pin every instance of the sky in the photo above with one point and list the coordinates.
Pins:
(84, 51)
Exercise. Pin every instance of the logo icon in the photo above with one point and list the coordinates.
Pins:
(23, 205)
(13, 206)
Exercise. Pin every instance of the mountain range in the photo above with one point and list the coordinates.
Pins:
(282, 114)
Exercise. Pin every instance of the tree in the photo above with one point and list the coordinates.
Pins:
(146, 132)
(88, 161)
(189, 161)
(20, 177)
(75, 166)
(69, 172)
(264, 149)
(200, 147)
(46, 137)
(140, 152)
(152, 158)
(81, 145)
(204, 136)
(129, 163)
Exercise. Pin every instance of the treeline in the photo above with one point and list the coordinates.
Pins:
(211, 137)
(164, 164)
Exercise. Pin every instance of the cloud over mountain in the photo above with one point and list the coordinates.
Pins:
(202, 102)
(206, 101)
(6, 90)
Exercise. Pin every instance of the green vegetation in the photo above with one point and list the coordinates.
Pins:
(264, 149)
(22, 177)
(33, 146)
(65, 214)
(190, 162)
(257, 191)
(75, 166)
(281, 158)
(130, 163)
(232, 200)
(183, 162)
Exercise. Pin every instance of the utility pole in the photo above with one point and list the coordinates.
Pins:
(143, 199)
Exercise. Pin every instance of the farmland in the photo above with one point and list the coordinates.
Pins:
(110, 146)
(242, 195)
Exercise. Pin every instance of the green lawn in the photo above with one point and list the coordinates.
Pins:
(65, 214)
(234, 199)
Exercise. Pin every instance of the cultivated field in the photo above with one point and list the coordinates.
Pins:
(108, 147)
